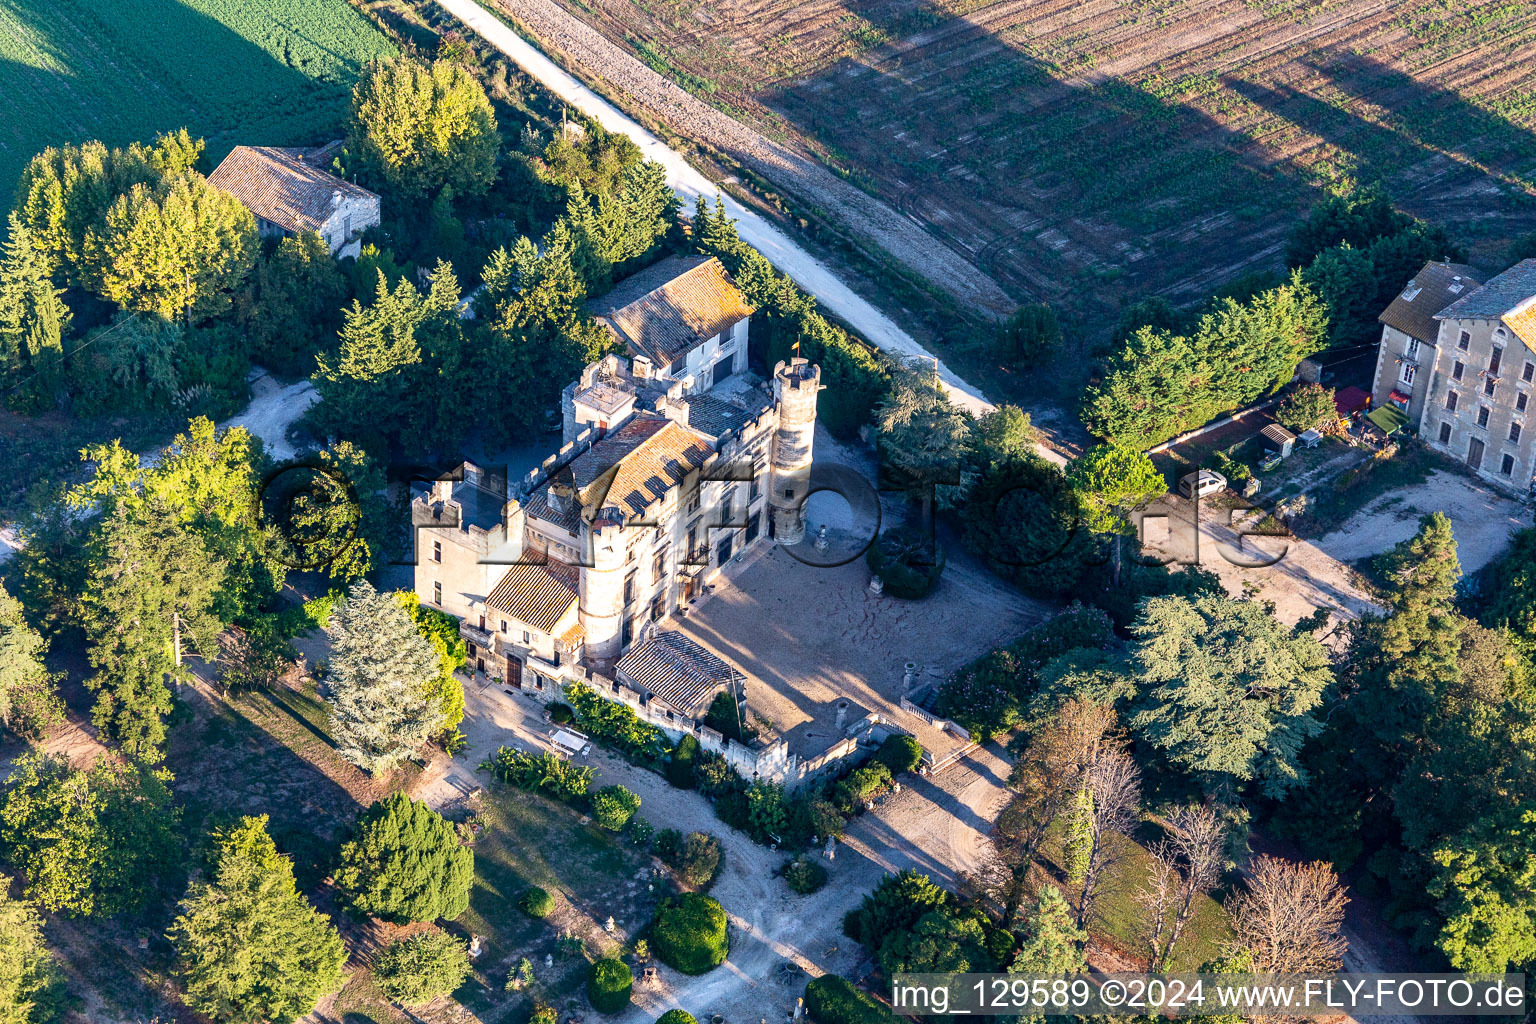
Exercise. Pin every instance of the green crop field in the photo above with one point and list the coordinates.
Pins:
(262, 72)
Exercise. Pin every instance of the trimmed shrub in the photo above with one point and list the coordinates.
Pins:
(689, 933)
(676, 1017)
(405, 863)
(861, 785)
(419, 969)
(613, 806)
(831, 999)
(900, 753)
(680, 768)
(536, 902)
(898, 558)
(804, 874)
(560, 713)
(609, 983)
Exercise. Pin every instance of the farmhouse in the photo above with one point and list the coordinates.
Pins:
(289, 193)
(1462, 361)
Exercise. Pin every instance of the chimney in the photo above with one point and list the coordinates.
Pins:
(336, 198)
(642, 367)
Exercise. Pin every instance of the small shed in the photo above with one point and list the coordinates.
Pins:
(1309, 438)
(1277, 439)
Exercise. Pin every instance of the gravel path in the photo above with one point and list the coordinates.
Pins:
(900, 237)
(933, 824)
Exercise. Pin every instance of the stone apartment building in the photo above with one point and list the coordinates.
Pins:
(1468, 386)
(289, 193)
(675, 461)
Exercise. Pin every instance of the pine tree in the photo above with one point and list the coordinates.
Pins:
(405, 863)
(380, 674)
(33, 317)
(29, 697)
(1112, 483)
(31, 983)
(1053, 943)
(250, 948)
(150, 597)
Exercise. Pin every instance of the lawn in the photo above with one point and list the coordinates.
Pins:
(261, 72)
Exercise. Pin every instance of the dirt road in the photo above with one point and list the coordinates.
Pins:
(907, 241)
(860, 213)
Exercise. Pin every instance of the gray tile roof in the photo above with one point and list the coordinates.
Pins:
(1500, 295)
(1434, 287)
(676, 669)
(631, 468)
(278, 185)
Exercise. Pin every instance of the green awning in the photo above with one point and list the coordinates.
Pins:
(1389, 419)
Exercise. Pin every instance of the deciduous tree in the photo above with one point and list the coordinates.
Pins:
(1289, 917)
(29, 696)
(293, 305)
(88, 843)
(423, 127)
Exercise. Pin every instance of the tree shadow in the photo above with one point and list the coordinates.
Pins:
(1075, 184)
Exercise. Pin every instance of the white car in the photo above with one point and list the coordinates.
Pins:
(1201, 483)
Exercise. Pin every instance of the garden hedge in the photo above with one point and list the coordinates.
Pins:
(689, 933)
(608, 985)
(831, 999)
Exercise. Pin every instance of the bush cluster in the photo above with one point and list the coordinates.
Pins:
(804, 874)
(696, 857)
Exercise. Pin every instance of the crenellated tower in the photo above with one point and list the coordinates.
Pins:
(795, 385)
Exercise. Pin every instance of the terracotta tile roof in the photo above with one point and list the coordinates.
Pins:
(672, 306)
(277, 185)
(1433, 288)
(676, 669)
(536, 595)
(574, 637)
(1502, 294)
(1522, 320)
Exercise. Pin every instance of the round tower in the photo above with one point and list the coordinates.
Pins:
(601, 589)
(795, 385)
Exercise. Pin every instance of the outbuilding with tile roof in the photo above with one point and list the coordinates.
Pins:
(684, 315)
(290, 193)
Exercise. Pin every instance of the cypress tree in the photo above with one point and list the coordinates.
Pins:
(404, 863)
(250, 948)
